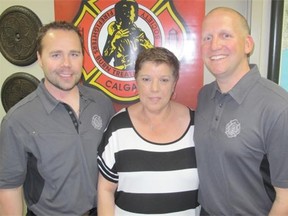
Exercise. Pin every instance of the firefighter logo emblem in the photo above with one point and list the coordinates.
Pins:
(114, 34)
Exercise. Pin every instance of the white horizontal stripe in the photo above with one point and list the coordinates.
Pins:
(191, 212)
(128, 133)
(107, 172)
(159, 182)
(108, 154)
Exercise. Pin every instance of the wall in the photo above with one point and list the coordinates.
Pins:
(256, 11)
(45, 14)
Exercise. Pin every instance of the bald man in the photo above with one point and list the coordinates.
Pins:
(240, 127)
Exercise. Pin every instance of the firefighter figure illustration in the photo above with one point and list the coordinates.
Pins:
(125, 40)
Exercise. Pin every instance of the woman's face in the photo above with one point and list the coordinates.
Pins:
(156, 84)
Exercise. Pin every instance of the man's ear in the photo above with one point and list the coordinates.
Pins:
(39, 60)
(249, 45)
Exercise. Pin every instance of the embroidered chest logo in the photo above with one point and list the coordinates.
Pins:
(97, 122)
(233, 128)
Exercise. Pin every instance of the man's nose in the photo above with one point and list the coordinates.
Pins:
(216, 43)
(66, 61)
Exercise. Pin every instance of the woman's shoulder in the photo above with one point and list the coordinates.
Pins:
(181, 108)
(184, 112)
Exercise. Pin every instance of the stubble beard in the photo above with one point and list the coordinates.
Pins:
(61, 85)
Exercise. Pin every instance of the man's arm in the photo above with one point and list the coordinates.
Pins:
(106, 191)
(11, 202)
(280, 205)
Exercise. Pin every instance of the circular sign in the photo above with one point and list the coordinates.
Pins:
(16, 87)
(18, 32)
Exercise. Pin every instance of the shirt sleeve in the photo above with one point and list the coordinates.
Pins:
(277, 151)
(13, 161)
(106, 154)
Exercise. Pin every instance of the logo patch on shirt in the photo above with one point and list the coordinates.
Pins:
(97, 122)
(233, 128)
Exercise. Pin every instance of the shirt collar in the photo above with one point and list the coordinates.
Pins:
(49, 102)
(242, 88)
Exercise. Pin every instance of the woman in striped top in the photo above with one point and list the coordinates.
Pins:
(147, 159)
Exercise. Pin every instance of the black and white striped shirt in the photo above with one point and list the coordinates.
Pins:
(152, 178)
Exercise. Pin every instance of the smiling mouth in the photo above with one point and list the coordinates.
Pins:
(65, 75)
(218, 57)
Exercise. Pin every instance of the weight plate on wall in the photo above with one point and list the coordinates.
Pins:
(16, 87)
(18, 32)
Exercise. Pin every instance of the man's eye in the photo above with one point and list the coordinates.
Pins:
(55, 55)
(76, 54)
(164, 80)
(226, 35)
(207, 38)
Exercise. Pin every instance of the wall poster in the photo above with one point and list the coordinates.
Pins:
(115, 31)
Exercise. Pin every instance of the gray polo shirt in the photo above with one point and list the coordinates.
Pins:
(44, 147)
(241, 145)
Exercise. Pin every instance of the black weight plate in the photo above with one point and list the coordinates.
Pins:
(18, 32)
(16, 87)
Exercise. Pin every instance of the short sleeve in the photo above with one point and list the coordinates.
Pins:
(277, 151)
(106, 154)
(12, 155)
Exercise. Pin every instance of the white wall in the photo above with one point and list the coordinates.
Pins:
(45, 11)
(256, 11)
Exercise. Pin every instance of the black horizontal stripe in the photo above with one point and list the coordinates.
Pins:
(139, 160)
(118, 122)
(157, 203)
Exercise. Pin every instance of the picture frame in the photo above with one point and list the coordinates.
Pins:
(278, 47)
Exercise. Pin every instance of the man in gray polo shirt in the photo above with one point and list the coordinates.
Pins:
(241, 124)
(49, 140)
